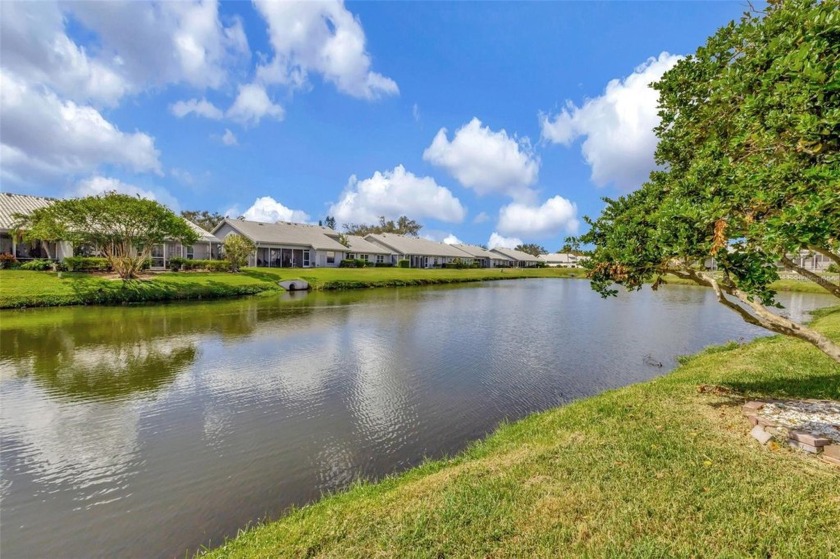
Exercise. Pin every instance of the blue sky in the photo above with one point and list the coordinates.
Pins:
(490, 123)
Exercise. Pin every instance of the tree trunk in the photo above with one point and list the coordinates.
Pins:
(757, 314)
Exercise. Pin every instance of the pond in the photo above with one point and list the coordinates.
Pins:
(149, 431)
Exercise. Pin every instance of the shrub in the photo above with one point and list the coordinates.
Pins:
(86, 264)
(361, 263)
(217, 265)
(384, 265)
(833, 269)
(176, 264)
(237, 250)
(402, 264)
(8, 261)
(39, 265)
(347, 263)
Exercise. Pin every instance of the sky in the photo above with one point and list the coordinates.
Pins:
(489, 123)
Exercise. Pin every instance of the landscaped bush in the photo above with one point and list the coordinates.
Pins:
(403, 264)
(39, 265)
(833, 269)
(456, 264)
(361, 263)
(347, 263)
(178, 264)
(8, 261)
(87, 264)
(384, 265)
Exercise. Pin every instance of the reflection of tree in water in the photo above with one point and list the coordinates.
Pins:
(105, 374)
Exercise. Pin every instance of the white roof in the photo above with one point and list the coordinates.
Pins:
(559, 258)
(284, 233)
(478, 252)
(516, 255)
(358, 245)
(415, 246)
(11, 204)
(203, 235)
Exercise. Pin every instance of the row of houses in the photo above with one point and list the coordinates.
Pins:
(282, 245)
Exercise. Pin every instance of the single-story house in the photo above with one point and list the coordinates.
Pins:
(562, 260)
(811, 261)
(361, 249)
(286, 245)
(484, 257)
(208, 247)
(520, 259)
(420, 253)
(12, 204)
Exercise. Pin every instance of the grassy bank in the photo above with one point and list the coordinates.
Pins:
(652, 470)
(800, 286)
(39, 289)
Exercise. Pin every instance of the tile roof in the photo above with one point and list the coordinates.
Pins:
(11, 204)
(478, 252)
(517, 255)
(415, 246)
(284, 233)
(203, 235)
(358, 245)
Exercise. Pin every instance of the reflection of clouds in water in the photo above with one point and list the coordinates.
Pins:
(381, 393)
(87, 445)
(289, 365)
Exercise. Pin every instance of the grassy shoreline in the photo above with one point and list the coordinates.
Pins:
(653, 469)
(20, 289)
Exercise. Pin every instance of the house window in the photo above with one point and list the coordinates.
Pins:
(351, 256)
(380, 259)
(366, 257)
(190, 252)
(330, 257)
(305, 258)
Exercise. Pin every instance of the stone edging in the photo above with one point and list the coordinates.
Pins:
(766, 428)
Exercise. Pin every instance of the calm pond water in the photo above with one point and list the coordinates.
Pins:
(148, 431)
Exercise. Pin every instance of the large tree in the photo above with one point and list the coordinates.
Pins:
(531, 248)
(402, 226)
(204, 219)
(749, 168)
(122, 228)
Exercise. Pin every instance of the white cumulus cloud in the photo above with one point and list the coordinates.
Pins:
(165, 42)
(252, 104)
(322, 38)
(269, 210)
(45, 137)
(618, 126)
(36, 48)
(497, 240)
(229, 138)
(199, 107)
(549, 219)
(486, 161)
(452, 240)
(395, 193)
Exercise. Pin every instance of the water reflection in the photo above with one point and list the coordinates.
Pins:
(151, 430)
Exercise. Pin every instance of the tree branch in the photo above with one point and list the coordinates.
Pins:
(832, 288)
(827, 253)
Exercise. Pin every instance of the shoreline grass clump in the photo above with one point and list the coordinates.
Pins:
(654, 469)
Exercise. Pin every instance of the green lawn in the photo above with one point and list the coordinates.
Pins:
(652, 470)
(27, 288)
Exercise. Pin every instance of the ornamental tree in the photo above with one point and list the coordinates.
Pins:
(749, 169)
(122, 228)
(237, 249)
